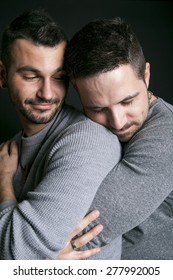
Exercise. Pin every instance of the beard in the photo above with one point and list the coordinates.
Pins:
(39, 116)
(43, 117)
(136, 126)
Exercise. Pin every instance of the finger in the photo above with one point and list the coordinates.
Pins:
(13, 149)
(1, 145)
(85, 222)
(88, 236)
(9, 147)
(81, 255)
(4, 146)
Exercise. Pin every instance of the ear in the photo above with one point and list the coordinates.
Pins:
(3, 83)
(147, 74)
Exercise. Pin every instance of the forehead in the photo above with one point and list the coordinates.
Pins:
(25, 52)
(114, 85)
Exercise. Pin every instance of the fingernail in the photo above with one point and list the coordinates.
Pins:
(98, 249)
(95, 213)
(99, 228)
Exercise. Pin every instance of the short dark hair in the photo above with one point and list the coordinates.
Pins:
(35, 25)
(101, 46)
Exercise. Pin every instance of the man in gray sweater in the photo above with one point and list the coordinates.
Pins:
(107, 67)
(63, 155)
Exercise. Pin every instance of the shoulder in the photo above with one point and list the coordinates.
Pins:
(80, 135)
(159, 120)
(157, 132)
(160, 111)
(81, 127)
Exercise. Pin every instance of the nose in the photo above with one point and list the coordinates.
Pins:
(117, 118)
(45, 90)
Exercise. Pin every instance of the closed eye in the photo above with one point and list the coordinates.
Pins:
(30, 77)
(62, 78)
(130, 99)
(126, 103)
(96, 110)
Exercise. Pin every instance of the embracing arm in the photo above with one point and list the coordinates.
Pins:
(136, 187)
(8, 166)
(72, 171)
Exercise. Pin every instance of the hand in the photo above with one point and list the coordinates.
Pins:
(8, 159)
(8, 166)
(68, 253)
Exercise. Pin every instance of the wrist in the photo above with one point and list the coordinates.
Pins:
(7, 195)
(5, 180)
(6, 190)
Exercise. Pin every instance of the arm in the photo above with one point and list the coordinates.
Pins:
(71, 174)
(136, 187)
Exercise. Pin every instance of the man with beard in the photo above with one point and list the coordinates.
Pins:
(106, 65)
(51, 170)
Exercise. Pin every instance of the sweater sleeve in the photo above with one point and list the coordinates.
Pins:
(71, 172)
(141, 181)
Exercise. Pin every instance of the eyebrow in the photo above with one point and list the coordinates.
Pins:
(130, 97)
(92, 107)
(100, 107)
(29, 68)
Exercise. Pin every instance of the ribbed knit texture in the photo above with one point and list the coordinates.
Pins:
(66, 170)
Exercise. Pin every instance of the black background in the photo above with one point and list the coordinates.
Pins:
(151, 20)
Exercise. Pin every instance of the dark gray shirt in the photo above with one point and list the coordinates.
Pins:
(139, 191)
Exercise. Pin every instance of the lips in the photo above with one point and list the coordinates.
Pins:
(42, 106)
(121, 131)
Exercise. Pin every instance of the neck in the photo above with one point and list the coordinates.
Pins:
(152, 99)
(29, 130)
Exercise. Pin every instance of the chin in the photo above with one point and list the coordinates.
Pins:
(126, 137)
(40, 118)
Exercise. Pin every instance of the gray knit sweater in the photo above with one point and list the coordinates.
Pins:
(68, 161)
(139, 190)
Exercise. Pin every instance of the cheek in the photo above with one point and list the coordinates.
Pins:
(19, 86)
(60, 89)
(139, 114)
(19, 92)
(63, 90)
(16, 99)
(139, 109)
